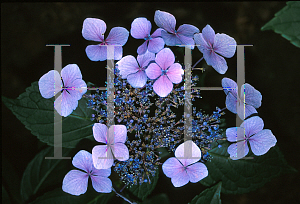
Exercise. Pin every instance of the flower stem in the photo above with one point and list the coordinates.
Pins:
(197, 63)
(119, 195)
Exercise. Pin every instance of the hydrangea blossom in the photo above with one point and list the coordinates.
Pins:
(214, 46)
(114, 138)
(70, 84)
(183, 36)
(184, 167)
(251, 130)
(93, 29)
(134, 70)
(140, 29)
(75, 182)
(166, 71)
(235, 104)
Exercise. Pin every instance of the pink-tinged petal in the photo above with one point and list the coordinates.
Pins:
(120, 151)
(197, 172)
(102, 157)
(231, 103)
(117, 133)
(171, 167)
(229, 86)
(224, 45)
(252, 96)
(201, 43)
(77, 89)
(188, 153)
(165, 58)
(83, 160)
(127, 65)
(93, 29)
(50, 84)
(156, 44)
(100, 132)
(137, 80)
(165, 20)
(153, 71)
(145, 59)
(142, 49)
(187, 41)
(156, 33)
(101, 172)
(209, 35)
(180, 179)
(253, 125)
(216, 61)
(170, 39)
(187, 30)
(262, 141)
(65, 104)
(163, 86)
(175, 73)
(235, 134)
(238, 150)
(96, 52)
(140, 28)
(75, 182)
(244, 110)
(117, 36)
(101, 184)
(118, 52)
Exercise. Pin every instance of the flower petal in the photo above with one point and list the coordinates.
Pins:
(171, 167)
(162, 86)
(216, 61)
(101, 184)
(231, 103)
(187, 30)
(156, 44)
(127, 65)
(100, 132)
(93, 29)
(208, 34)
(238, 150)
(101, 172)
(187, 41)
(188, 153)
(175, 73)
(142, 49)
(262, 141)
(252, 96)
(144, 59)
(137, 80)
(102, 157)
(170, 39)
(75, 182)
(253, 125)
(50, 84)
(65, 104)
(117, 36)
(180, 179)
(153, 71)
(244, 110)
(201, 43)
(165, 58)
(156, 33)
(235, 134)
(83, 160)
(120, 151)
(140, 28)
(118, 50)
(96, 52)
(224, 45)
(229, 86)
(197, 172)
(117, 133)
(165, 20)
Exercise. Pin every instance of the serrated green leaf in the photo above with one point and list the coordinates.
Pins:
(57, 196)
(142, 191)
(209, 196)
(287, 22)
(37, 114)
(243, 175)
(42, 174)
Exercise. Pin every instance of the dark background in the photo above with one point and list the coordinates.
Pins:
(272, 67)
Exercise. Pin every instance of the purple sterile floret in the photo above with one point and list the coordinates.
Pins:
(93, 29)
(214, 46)
(183, 36)
(75, 182)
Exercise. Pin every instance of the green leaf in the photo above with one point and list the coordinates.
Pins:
(43, 174)
(142, 191)
(37, 114)
(287, 23)
(58, 196)
(243, 175)
(157, 199)
(209, 196)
